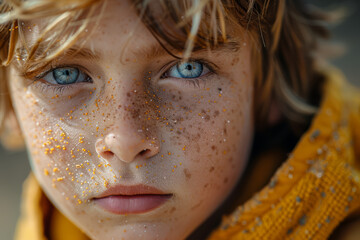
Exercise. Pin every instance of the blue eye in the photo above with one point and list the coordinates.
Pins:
(191, 69)
(65, 76)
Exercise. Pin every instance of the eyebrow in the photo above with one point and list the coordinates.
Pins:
(85, 53)
(82, 52)
(159, 51)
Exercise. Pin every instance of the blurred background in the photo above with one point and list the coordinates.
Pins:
(15, 167)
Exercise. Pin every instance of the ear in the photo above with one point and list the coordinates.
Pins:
(11, 137)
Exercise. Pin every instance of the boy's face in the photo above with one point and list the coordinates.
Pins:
(133, 144)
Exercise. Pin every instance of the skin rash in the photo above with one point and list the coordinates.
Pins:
(131, 124)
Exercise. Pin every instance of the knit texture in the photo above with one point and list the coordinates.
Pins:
(318, 185)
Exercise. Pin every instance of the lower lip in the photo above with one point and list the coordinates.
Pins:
(133, 204)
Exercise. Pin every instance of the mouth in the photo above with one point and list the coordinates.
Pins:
(134, 199)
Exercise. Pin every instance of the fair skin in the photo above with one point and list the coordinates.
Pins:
(136, 121)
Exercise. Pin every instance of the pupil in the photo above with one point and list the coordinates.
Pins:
(189, 67)
(67, 73)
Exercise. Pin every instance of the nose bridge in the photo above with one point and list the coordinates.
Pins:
(129, 109)
(130, 132)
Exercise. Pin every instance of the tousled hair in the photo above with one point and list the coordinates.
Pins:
(285, 36)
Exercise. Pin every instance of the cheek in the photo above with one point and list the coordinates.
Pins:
(210, 132)
(61, 155)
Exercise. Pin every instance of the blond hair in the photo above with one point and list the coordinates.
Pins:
(285, 34)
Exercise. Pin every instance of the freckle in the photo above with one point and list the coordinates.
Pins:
(187, 174)
(226, 180)
(172, 210)
(211, 169)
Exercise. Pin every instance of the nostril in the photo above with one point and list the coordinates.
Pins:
(144, 152)
(107, 154)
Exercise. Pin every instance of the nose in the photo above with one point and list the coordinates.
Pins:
(126, 147)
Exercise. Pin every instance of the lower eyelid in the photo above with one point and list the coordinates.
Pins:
(198, 82)
(194, 82)
(49, 88)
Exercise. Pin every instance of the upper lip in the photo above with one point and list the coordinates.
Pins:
(139, 189)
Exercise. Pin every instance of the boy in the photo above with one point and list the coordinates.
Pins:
(142, 129)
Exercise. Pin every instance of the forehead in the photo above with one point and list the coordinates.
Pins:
(113, 21)
(116, 28)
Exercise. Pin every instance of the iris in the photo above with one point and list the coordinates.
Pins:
(186, 70)
(66, 75)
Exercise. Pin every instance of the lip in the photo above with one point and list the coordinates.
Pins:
(135, 199)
